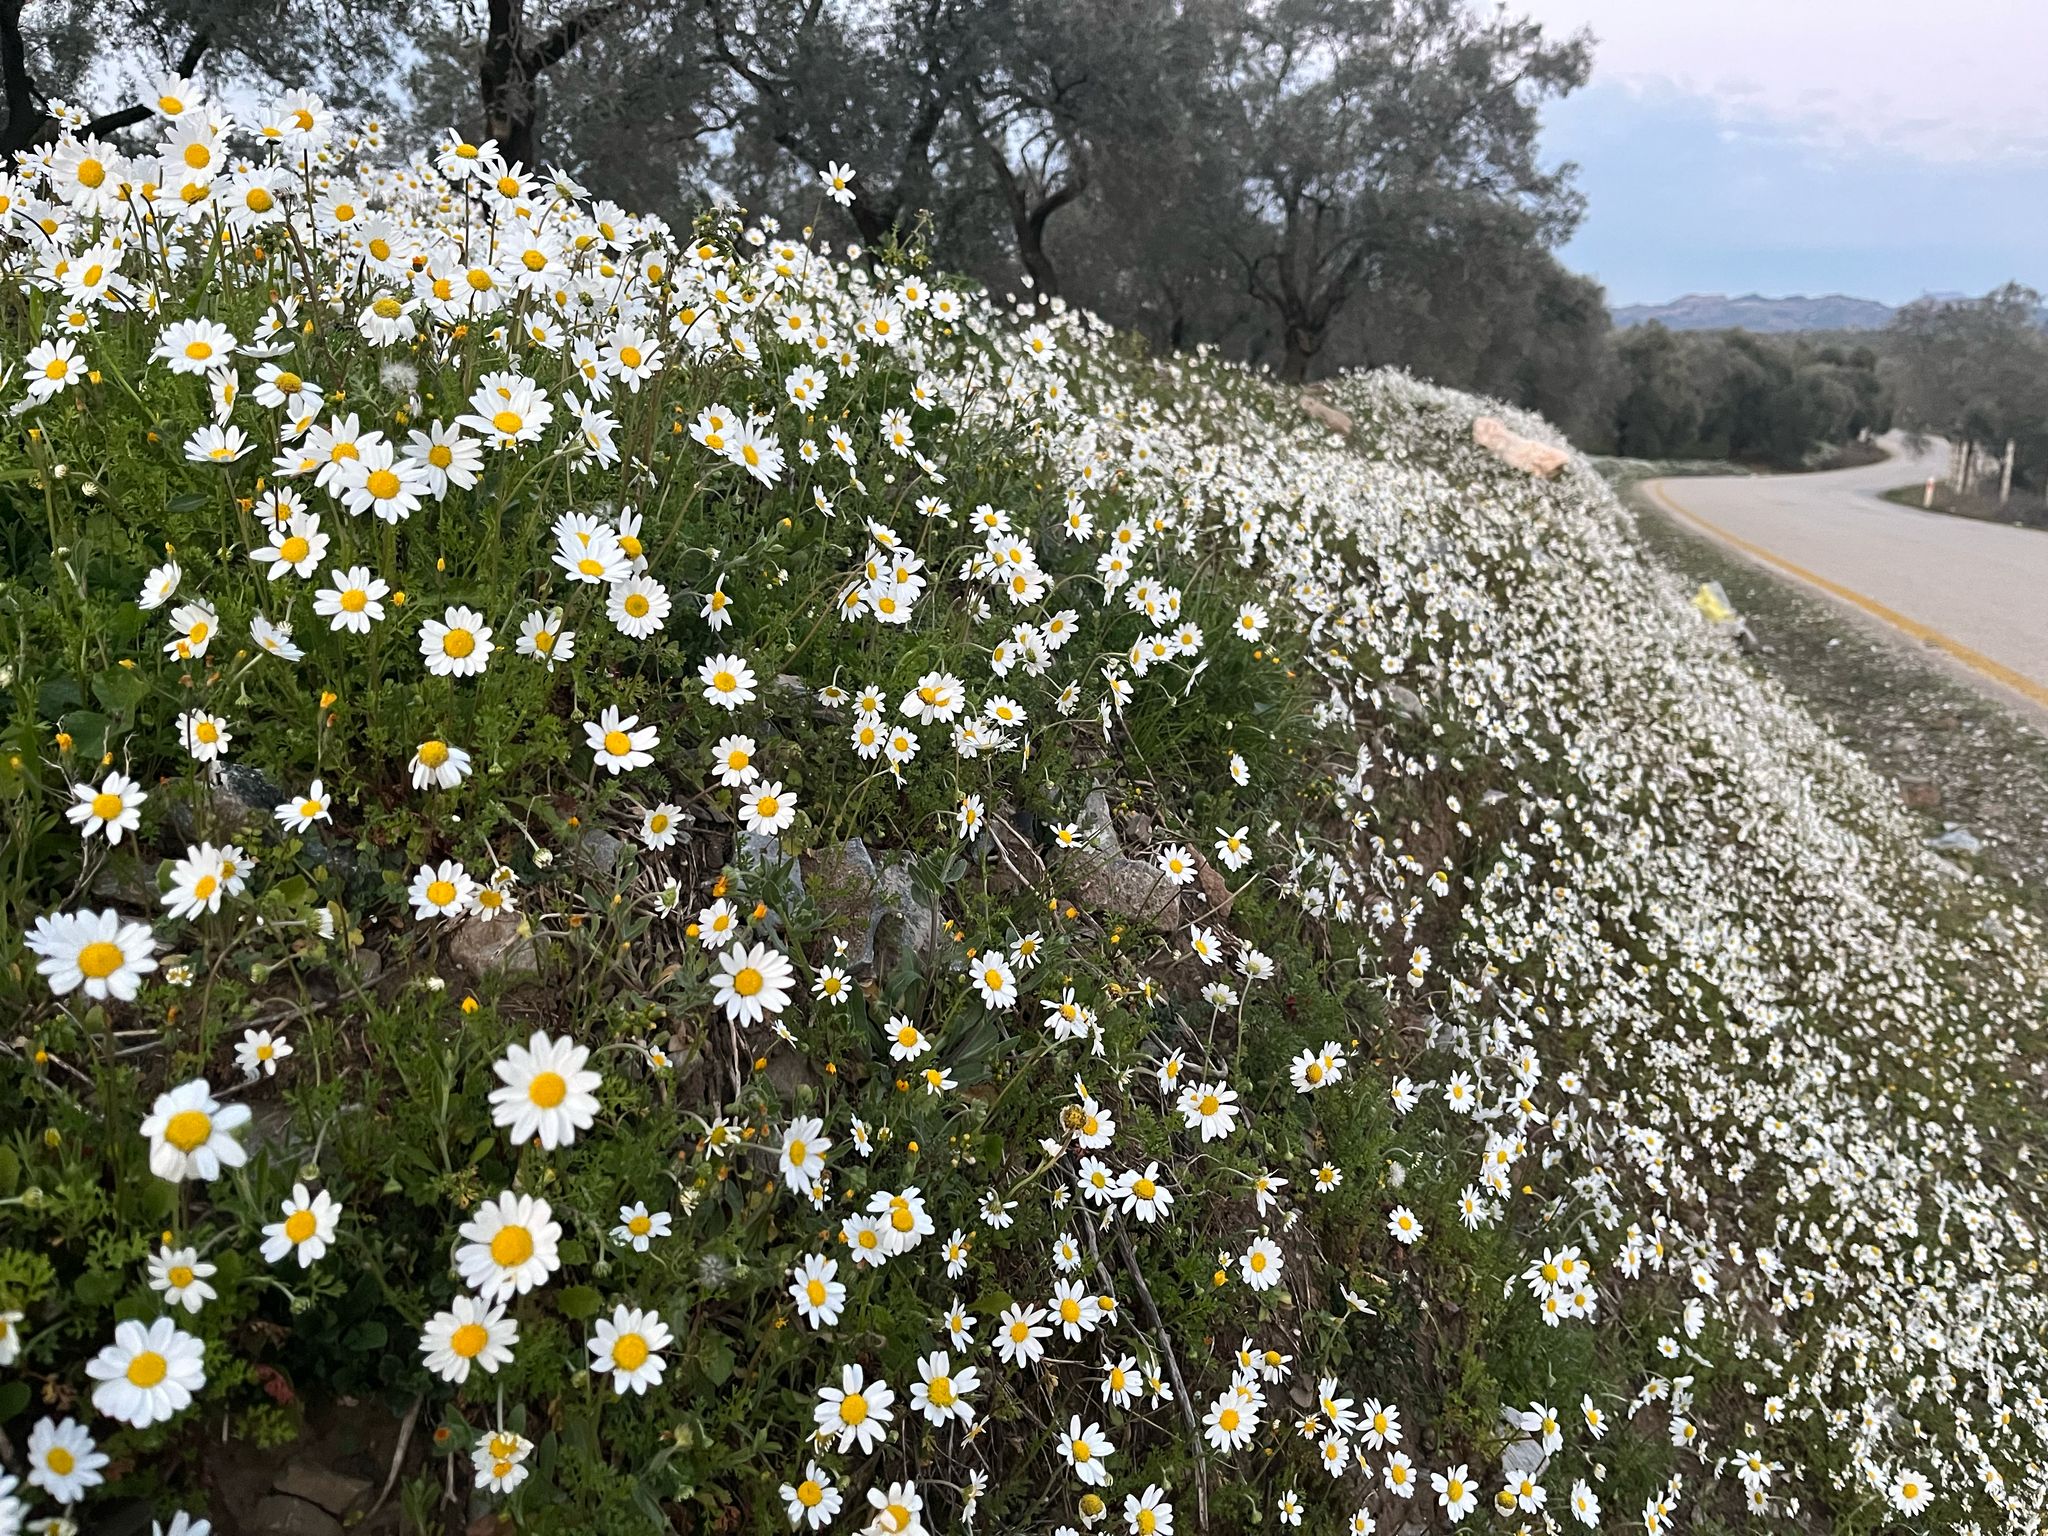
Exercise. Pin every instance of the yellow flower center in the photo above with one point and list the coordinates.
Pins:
(458, 643)
(747, 982)
(300, 1225)
(355, 600)
(469, 1340)
(547, 1090)
(630, 356)
(724, 682)
(56, 368)
(180, 1276)
(767, 806)
(147, 1369)
(640, 1226)
(387, 308)
(382, 484)
(636, 605)
(507, 422)
(512, 1247)
(91, 173)
(817, 1293)
(189, 1128)
(809, 1493)
(853, 1408)
(629, 1352)
(259, 200)
(1227, 1419)
(433, 753)
(441, 892)
(617, 743)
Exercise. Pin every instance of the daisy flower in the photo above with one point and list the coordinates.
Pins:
(62, 1459)
(205, 737)
(510, 1246)
(299, 814)
(180, 1275)
(638, 1228)
(547, 1093)
(147, 1374)
(189, 1133)
(813, 1502)
(819, 1297)
(354, 602)
(111, 809)
(436, 765)
(542, 637)
(469, 1334)
(458, 644)
(620, 742)
(728, 681)
(753, 982)
(858, 1411)
(307, 1229)
(628, 1344)
(444, 891)
(259, 1051)
(768, 809)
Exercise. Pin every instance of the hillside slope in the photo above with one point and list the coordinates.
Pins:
(1754, 312)
(1026, 934)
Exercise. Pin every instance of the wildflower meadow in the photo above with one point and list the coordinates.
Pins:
(723, 886)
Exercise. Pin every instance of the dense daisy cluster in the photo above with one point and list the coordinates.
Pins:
(936, 924)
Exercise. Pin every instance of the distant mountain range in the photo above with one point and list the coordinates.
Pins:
(1754, 312)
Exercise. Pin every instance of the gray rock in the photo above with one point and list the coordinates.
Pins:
(1956, 840)
(1129, 888)
(877, 910)
(497, 948)
(1098, 828)
(1992, 928)
(1523, 1458)
(282, 1515)
(908, 923)
(841, 881)
(335, 1492)
(240, 794)
(1405, 701)
(598, 852)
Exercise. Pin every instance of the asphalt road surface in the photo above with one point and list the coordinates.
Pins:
(1976, 592)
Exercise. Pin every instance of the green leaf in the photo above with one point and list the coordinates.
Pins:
(119, 690)
(10, 1180)
(97, 1287)
(717, 1361)
(368, 1335)
(580, 1302)
(14, 1396)
(88, 731)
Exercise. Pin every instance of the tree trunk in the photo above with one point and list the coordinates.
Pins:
(24, 117)
(507, 90)
(1045, 278)
(1304, 341)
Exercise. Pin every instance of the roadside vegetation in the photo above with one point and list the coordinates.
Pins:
(755, 892)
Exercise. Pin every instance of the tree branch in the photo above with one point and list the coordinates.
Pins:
(558, 44)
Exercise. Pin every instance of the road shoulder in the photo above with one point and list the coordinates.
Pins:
(1957, 756)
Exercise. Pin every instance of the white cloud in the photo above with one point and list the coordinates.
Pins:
(1961, 81)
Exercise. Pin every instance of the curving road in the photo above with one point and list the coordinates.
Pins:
(1977, 592)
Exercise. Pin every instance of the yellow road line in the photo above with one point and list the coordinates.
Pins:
(1974, 659)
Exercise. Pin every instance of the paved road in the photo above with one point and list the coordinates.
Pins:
(1977, 592)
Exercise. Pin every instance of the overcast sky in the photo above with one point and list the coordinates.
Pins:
(1883, 148)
